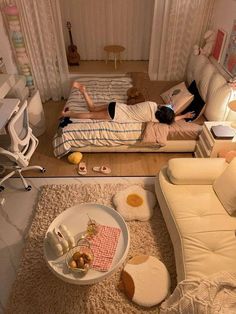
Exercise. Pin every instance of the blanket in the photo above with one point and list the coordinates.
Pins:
(213, 294)
(96, 133)
(101, 90)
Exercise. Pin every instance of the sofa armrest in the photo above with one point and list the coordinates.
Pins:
(195, 170)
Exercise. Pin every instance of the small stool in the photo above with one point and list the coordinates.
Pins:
(145, 280)
(116, 50)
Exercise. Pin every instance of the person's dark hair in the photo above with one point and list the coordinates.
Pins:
(165, 115)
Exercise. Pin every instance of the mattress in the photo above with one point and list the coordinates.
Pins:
(97, 135)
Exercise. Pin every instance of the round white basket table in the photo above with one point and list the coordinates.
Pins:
(76, 219)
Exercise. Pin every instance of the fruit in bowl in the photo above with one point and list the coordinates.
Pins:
(80, 258)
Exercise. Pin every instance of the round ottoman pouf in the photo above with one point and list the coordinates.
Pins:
(135, 203)
(145, 280)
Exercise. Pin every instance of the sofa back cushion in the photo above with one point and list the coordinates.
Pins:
(225, 188)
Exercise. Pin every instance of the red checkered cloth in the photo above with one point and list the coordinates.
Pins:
(104, 245)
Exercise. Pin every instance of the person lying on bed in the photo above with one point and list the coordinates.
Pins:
(119, 112)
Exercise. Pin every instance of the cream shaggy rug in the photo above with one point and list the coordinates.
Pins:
(37, 290)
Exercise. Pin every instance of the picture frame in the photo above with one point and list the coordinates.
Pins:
(219, 44)
(230, 55)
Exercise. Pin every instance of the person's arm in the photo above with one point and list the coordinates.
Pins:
(188, 115)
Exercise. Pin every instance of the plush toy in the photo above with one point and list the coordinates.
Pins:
(134, 96)
(75, 158)
(206, 50)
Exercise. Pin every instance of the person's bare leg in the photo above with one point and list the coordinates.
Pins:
(88, 99)
(95, 115)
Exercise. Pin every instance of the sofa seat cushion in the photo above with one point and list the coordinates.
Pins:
(202, 232)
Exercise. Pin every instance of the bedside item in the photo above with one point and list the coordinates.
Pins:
(208, 145)
(222, 132)
(145, 280)
(179, 96)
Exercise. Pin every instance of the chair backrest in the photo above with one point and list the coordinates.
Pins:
(23, 142)
(19, 130)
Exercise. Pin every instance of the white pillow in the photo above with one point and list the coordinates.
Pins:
(180, 97)
(225, 188)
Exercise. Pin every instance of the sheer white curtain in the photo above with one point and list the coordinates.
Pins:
(97, 23)
(41, 22)
(42, 29)
(177, 26)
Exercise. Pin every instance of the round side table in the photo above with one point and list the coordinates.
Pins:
(116, 50)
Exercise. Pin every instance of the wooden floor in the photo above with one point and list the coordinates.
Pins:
(121, 164)
(89, 67)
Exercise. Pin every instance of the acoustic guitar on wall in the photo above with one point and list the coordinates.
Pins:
(73, 56)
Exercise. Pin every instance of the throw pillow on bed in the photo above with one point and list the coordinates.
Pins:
(179, 96)
(197, 105)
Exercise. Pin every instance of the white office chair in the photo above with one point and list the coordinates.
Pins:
(17, 147)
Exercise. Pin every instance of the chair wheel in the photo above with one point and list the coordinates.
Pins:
(29, 188)
(2, 188)
(43, 170)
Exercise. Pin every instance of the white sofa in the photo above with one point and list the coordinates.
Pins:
(193, 195)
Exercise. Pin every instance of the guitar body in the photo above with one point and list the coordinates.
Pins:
(73, 56)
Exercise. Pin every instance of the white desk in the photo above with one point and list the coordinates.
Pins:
(7, 108)
(13, 86)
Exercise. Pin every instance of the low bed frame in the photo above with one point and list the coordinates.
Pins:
(214, 90)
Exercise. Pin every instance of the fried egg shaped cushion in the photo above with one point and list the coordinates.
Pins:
(135, 203)
(145, 280)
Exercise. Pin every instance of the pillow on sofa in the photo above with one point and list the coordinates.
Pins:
(180, 97)
(225, 188)
(197, 105)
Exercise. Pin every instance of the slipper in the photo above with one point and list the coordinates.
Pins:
(82, 169)
(102, 169)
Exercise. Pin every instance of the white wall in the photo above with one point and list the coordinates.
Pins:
(224, 13)
(97, 23)
(5, 50)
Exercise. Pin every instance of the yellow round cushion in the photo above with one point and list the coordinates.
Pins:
(75, 158)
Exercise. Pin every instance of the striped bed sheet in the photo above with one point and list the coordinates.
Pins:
(96, 133)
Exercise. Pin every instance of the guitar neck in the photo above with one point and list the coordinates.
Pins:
(71, 40)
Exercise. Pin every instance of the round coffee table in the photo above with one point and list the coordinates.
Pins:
(76, 219)
(116, 50)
